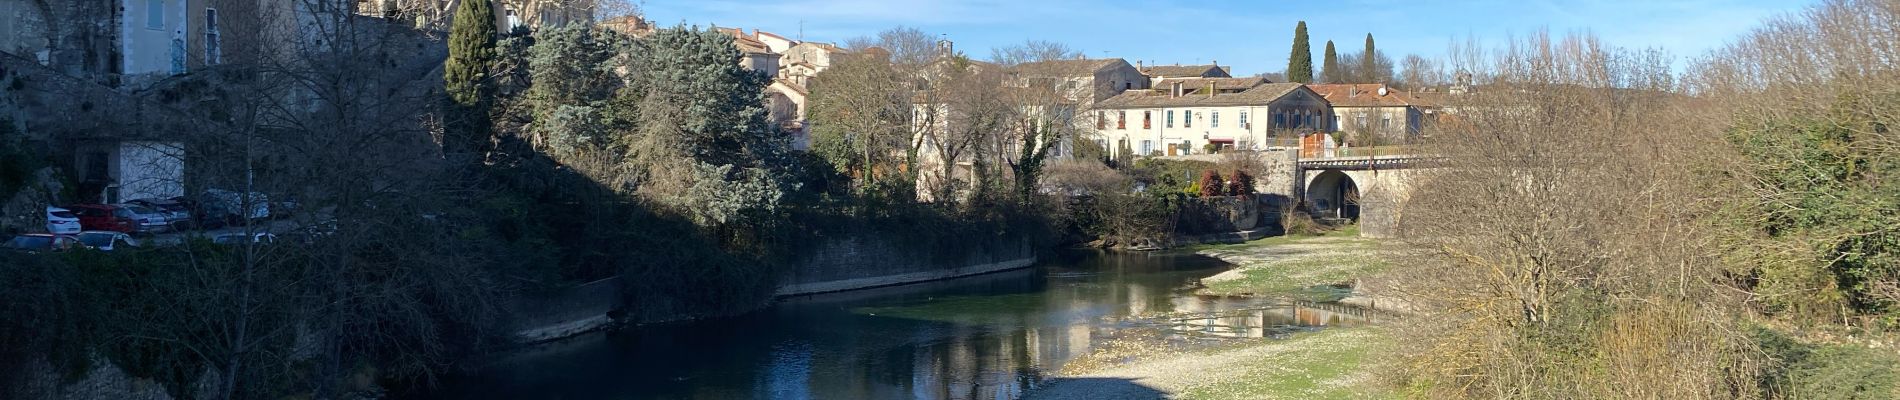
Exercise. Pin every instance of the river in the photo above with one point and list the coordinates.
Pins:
(993, 336)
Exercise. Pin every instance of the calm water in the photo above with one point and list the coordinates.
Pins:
(986, 337)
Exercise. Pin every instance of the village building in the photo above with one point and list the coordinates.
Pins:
(509, 14)
(1375, 114)
(1202, 115)
(1161, 73)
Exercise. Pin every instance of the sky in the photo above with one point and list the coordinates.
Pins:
(1251, 36)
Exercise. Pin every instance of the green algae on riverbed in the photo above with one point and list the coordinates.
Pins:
(1310, 268)
(1327, 364)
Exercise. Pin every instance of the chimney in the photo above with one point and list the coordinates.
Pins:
(1138, 65)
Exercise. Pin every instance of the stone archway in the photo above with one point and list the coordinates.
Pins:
(1333, 194)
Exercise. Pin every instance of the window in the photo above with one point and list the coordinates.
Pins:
(1362, 120)
(1170, 118)
(1243, 121)
(1214, 121)
(155, 14)
(1145, 118)
(1147, 147)
(214, 53)
(1101, 120)
(1121, 120)
(1385, 123)
(1128, 86)
(1187, 119)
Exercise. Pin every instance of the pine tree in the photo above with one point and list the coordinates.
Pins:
(1369, 60)
(465, 76)
(1332, 64)
(1299, 67)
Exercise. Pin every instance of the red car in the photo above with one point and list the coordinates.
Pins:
(101, 217)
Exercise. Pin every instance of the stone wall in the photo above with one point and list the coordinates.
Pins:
(868, 260)
(860, 261)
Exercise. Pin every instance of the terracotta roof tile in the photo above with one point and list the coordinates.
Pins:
(1185, 71)
(1257, 95)
(1366, 95)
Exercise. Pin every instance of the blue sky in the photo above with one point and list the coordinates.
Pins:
(1251, 36)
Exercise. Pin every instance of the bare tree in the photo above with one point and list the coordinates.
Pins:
(1420, 72)
(1550, 217)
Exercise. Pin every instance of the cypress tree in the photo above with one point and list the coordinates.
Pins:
(1332, 64)
(465, 75)
(1299, 66)
(1369, 61)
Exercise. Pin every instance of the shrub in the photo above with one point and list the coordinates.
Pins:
(1242, 185)
(1211, 184)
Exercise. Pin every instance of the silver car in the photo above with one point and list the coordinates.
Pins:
(107, 240)
(148, 219)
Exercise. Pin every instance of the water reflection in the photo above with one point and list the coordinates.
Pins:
(988, 337)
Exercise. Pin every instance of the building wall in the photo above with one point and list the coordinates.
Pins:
(1404, 121)
(1116, 79)
(153, 42)
(1198, 126)
(26, 29)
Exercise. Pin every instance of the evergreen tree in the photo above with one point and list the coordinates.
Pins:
(573, 73)
(1331, 73)
(1299, 67)
(702, 135)
(1369, 60)
(465, 76)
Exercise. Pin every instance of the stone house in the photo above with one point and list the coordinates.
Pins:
(1189, 115)
(1374, 114)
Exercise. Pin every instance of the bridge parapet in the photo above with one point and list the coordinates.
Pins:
(1370, 162)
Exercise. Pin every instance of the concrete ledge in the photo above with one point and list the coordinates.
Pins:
(900, 279)
(1224, 238)
(563, 330)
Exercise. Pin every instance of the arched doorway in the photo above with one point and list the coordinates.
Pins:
(1333, 194)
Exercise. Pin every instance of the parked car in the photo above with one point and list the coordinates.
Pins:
(34, 243)
(203, 215)
(239, 206)
(107, 240)
(60, 221)
(148, 220)
(176, 213)
(101, 217)
(240, 238)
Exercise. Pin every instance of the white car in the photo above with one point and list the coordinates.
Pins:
(60, 221)
(107, 240)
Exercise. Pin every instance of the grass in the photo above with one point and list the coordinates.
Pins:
(1328, 364)
(1312, 278)
(1313, 268)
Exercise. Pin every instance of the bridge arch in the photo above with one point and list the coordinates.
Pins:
(1333, 194)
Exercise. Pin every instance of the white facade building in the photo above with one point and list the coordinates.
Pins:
(1186, 116)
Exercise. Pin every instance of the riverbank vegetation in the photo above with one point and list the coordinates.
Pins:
(1571, 250)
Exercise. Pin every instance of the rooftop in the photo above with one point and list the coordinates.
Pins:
(1366, 95)
(1259, 94)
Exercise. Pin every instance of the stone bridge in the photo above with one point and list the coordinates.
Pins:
(1371, 190)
